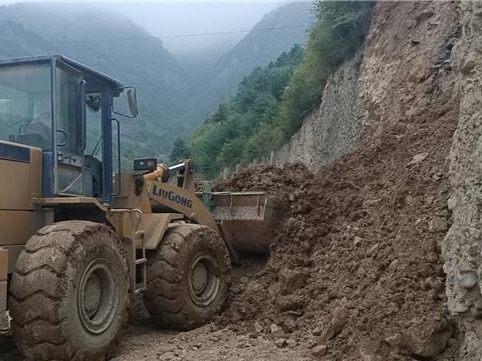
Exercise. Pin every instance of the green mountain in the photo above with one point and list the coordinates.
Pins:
(90, 34)
(275, 33)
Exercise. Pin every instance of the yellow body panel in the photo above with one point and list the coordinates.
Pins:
(154, 226)
(132, 193)
(35, 173)
(21, 182)
(14, 192)
(16, 227)
(183, 201)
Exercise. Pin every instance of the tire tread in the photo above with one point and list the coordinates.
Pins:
(163, 297)
(36, 319)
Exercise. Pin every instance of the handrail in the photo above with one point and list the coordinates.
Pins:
(119, 188)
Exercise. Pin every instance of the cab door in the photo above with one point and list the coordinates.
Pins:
(69, 125)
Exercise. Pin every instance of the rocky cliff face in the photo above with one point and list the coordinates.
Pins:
(404, 62)
(462, 246)
(329, 131)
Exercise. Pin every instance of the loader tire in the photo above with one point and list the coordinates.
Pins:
(188, 277)
(70, 293)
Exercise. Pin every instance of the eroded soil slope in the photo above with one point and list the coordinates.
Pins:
(355, 272)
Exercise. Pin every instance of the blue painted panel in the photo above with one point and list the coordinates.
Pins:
(14, 152)
(107, 145)
(47, 174)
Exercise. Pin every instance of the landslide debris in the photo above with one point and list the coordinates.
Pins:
(284, 184)
(355, 271)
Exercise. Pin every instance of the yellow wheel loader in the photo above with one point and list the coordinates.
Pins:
(78, 237)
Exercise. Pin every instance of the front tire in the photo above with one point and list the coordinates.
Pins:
(188, 277)
(70, 294)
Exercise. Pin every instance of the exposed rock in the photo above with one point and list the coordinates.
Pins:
(280, 342)
(433, 343)
(318, 351)
(438, 224)
(336, 325)
(462, 249)
(291, 280)
(357, 240)
(468, 280)
(418, 158)
(291, 343)
(258, 327)
(167, 356)
(317, 331)
(276, 330)
(290, 303)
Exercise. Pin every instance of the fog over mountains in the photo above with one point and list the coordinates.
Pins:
(174, 94)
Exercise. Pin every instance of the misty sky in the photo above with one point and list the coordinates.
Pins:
(177, 18)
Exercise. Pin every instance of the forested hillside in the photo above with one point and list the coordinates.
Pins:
(269, 105)
(275, 33)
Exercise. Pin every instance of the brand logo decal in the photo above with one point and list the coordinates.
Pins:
(172, 196)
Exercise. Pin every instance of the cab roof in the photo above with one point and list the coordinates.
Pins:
(91, 75)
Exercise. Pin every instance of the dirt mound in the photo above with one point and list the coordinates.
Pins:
(283, 184)
(355, 271)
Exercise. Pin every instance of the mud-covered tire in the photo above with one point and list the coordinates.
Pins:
(171, 297)
(69, 297)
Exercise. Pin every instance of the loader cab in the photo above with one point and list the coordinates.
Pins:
(66, 109)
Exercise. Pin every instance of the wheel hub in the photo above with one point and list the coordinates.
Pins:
(199, 278)
(92, 295)
(96, 299)
(203, 281)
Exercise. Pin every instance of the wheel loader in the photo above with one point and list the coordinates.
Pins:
(79, 237)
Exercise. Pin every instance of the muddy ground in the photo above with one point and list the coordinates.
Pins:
(208, 343)
(143, 341)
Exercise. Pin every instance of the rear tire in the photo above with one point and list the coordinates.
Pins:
(70, 294)
(188, 277)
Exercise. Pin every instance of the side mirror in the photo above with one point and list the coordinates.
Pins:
(132, 102)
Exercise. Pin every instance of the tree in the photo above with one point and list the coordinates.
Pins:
(180, 151)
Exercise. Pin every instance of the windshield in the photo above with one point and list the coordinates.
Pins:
(25, 105)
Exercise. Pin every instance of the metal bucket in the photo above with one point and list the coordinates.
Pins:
(246, 219)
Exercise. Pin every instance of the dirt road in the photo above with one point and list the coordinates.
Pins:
(144, 341)
(204, 344)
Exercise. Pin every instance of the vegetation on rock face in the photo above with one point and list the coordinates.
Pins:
(271, 102)
(340, 32)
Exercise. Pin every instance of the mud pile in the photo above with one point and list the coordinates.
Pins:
(277, 182)
(355, 271)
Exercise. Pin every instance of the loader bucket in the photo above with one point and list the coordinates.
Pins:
(246, 219)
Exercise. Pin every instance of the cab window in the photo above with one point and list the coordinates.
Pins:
(25, 105)
(67, 95)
